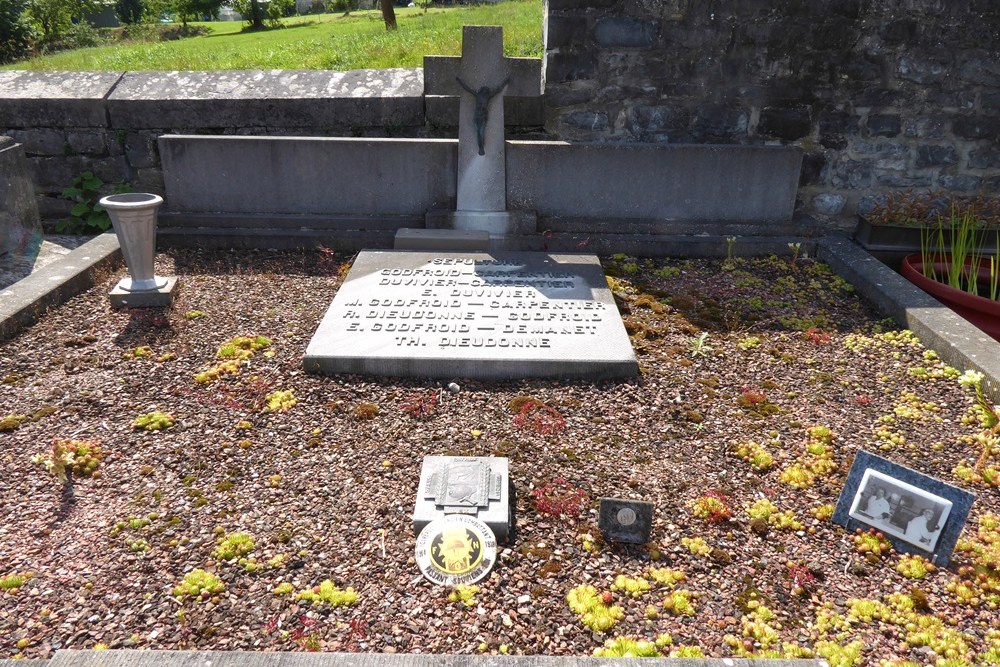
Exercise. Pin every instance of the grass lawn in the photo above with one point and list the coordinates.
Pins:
(324, 41)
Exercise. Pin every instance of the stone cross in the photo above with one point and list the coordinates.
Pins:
(483, 74)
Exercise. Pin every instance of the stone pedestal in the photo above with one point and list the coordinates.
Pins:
(160, 297)
(495, 223)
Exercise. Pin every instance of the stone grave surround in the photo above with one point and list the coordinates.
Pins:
(20, 227)
(474, 315)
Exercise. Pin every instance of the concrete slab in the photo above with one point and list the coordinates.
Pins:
(271, 659)
(308, 175)
(684, 182)
(451, 240)
(476, 315)
(958, 342)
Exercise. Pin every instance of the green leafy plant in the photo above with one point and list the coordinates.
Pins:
(66, 456)
(153, 421)
(234, 545)
(198, 584)
(698, 346)
(87, 215)
(465, 594)
(954, 249)
(12, 582)
(594, 609)
(327, 593)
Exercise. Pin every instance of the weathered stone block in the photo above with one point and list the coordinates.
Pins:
(140, 149)
(959, 182)
(921, 70)
(935, 156)
(854, 174)
(977, 127)
(563, 66)
(88, 142)
(884, 125)
(42, 141)
(565, 30)
(720, 123)
(625, 32)
(643, 119)
(881, 148)
(829, 203)
(785, 123)
(983, 71)
(924, 128)
(812, 168)
(586, 120)
(896, 178)
(985, 158)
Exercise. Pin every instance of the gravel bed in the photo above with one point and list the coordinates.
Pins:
(730, 352)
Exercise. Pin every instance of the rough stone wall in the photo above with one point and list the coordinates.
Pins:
(880, 94)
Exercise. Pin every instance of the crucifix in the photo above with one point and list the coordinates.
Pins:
(483, 74)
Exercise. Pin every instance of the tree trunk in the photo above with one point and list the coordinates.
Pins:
(256, 16)
(388, 14)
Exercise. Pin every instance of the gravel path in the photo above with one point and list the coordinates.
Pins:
(730, 353)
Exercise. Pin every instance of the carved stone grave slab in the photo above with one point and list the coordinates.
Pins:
(476, 486)
(473, 315)
(623, 520)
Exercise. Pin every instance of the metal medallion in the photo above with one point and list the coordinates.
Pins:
(456, 549)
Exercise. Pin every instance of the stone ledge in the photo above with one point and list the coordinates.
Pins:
(273, 98)
(124, 658)
(55, 99)
(959, 343)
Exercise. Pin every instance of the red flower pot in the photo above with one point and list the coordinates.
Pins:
(981, 311)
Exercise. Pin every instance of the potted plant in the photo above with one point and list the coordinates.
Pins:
(896, 224)
(954, 268)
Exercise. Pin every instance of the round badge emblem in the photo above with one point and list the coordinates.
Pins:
(456, 549)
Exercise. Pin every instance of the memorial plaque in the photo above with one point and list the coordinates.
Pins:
(623, 520)
(471, 485)
(918, 514)
(455, 550)
(475, 315)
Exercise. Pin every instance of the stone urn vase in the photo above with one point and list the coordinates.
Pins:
(133, 216)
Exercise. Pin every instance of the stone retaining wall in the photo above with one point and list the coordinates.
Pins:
(880, 95)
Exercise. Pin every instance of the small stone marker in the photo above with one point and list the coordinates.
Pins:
(918, 514)
(474, 486)
(456, 549)
(474, 315)
(623, 520)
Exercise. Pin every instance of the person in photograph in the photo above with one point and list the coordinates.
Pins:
(878, 505)
(922, 529)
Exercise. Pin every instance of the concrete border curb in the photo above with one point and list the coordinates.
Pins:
(24, 302)
(959, 343)
(130, 658)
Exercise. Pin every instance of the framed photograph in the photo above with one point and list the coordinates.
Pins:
(919, 514)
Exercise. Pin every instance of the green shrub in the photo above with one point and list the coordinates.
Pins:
(16, 35)
(87, 215)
